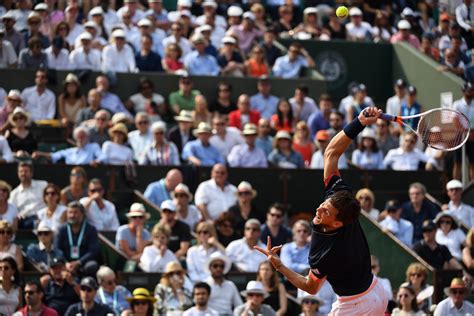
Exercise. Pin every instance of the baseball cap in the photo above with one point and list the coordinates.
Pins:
(168, 205)
(428, 225)
(96, 11)
(403, 25)
(118, 33)
(144, 22)
(89, 282)
(411, 90)
(249, 15)
(322, 135)
(85, 36)
(209, 3)
(355, 11)
(401, 83)
(235, 11)
(454, 184)
(9, 15)
(41, 7)
(228, 40)
(185, 3)
(56, 261)
(407, 12)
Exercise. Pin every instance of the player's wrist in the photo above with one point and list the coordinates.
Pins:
(354, 128)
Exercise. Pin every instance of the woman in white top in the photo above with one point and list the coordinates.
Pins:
(449, 234)
(116, 152)
(366, 199)
(199, 254)
(7, 247)
(54, 214)
(368, 155)
(10, 292)
(161, 152)
(185, 211)
(406, 300)
(8, 211)
(156, 256)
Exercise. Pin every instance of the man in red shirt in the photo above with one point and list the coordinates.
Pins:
(34, 302)
(243, 114)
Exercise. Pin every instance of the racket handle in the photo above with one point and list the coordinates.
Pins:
(388, 117)
(384, 116)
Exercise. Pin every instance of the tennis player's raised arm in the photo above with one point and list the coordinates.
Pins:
(342, 140)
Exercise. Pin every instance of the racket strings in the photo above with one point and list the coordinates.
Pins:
(444, 129)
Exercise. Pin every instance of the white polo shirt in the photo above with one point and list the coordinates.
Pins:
(216, 200)
(29, 200)
(245, 258)
(39, 106)
(104, 219)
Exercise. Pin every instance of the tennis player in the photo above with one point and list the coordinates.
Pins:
(339, 251)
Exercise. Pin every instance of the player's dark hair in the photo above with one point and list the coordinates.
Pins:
(202, 285)
(347, 206)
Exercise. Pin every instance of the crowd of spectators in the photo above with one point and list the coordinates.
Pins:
(212, 37)
(203, 235)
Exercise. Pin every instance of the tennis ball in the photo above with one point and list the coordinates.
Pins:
(342, 12)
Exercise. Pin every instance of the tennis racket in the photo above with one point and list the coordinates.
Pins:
(442, 129)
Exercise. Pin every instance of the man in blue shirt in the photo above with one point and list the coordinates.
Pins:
(320, 120)
(160, 190)
(264, 140)
(200, 152)
(247, 155)
(198, 62)
(84, 152)
(110, 101)
(290, 65)
(263, 102)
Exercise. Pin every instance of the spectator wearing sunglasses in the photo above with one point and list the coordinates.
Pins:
(449, 234)
(34, 294)
(416, 278)
(407, 304)
(274, 226)
(464, 212)
(224, 294)
(245, 207)
(254, 295)
(87, 305)
(456, 303)
(39, 254)
(132, 238)
(9, 248)
(109, 293)
(309, 305)
(141, 303)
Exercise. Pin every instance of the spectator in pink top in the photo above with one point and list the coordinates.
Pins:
(404, 35)
(246, 32)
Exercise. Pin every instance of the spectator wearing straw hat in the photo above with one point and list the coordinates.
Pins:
(132, 238)
(404, 35)
(185, 210)
(182, 133)
(39, 101)
(85, 56)
(247, 155)
(172, 293)
(224, 294)
(156, 256)
(245, 207)
(456, 303)
(118, 56)
(254, 294)
(141, 303)
(12, 35)
(215, 195)
(40, 254)
(34, 24)
(116, 152)
(200, 152)
(464, 212)
(161, 152)
(12, 101)
(198, 62)
(309, 305)
(283, 155)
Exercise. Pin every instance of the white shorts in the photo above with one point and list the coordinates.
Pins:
(372, 302)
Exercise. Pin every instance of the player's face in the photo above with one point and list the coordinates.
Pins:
(326, 215)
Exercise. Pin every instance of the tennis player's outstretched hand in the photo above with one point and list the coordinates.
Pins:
(369, 115)
(271, 253)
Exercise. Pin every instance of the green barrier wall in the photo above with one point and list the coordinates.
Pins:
(342, 62)
(422, 72)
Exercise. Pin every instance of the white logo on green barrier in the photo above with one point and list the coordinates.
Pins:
(333, 67)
